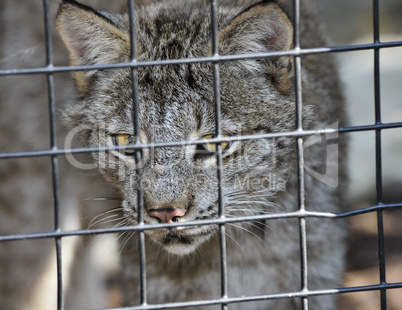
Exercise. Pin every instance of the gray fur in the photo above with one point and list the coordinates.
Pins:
(176, 103)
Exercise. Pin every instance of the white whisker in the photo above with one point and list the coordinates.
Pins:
(249, 231)
(237, 243)
(103, 220)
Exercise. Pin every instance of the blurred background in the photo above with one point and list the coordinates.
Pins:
(351, 22)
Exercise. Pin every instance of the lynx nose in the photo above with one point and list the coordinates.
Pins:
(167, 215)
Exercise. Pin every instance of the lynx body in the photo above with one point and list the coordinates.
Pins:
(180, 184)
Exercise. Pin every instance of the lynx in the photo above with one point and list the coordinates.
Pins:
(176, 103)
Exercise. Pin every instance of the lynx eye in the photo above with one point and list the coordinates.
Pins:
(211, 147)
(125, 140)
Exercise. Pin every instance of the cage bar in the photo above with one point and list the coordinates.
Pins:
(378, 158)
(218, 134)
(136, 127)
(53, 158)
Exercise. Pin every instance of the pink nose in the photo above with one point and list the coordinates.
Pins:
(167, 215)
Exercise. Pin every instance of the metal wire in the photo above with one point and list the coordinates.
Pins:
(207, 59)
(301, 214)
(136, 123)
(54, 159)
(218, 134)
(378, 160)
(300, 154)
(303, 133)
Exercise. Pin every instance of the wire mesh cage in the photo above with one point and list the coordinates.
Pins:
(39, 154)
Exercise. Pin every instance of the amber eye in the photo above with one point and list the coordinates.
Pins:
(211, 147)
(125, 140)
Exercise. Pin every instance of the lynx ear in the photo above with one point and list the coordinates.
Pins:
(90, 38)
(262, 27)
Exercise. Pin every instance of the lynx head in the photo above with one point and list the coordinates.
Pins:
(176, 103)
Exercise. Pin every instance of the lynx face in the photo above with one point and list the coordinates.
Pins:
(180, 183)
(176, 103)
